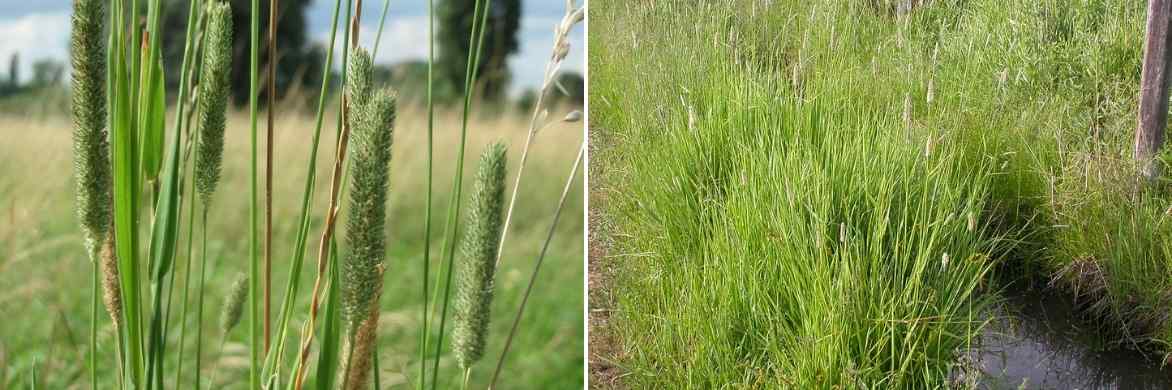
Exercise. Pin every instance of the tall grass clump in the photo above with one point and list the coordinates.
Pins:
(477, 267)
(735, 202)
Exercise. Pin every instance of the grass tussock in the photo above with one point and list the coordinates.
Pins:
(814, 193)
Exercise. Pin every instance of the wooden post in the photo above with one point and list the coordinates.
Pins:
(1153, 101)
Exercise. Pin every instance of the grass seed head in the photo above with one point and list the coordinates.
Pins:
(90, 147)
(234, 304)
(370, 150)
(478, 258)
(358, 78)
(213, 99)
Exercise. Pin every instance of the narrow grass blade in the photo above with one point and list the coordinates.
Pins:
(126, 189)
(153, 108)
(163, 242)
(328, 358)
(382, 20)
(425, 332)
(193, 21)
(449, 249)
(254, 350)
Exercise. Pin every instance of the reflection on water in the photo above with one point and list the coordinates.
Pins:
(1036, 341)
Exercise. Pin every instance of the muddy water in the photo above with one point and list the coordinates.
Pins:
(1036, 341)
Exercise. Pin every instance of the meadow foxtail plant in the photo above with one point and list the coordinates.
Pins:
(92, 158)
(127, 163)
(211, 103)
(371, 120)
(477, 267)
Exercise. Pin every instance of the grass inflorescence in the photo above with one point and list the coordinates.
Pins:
(477, 266)
(213, 99)
(372, 116)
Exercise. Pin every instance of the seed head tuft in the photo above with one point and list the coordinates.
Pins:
(370, 150)
(213, 99)
(478, 258)
(359, 73)
(90, 147)
(234, 304)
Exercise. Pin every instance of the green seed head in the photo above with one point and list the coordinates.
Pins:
(234, 304)
(474, 280)
(358, 79)
(90, 147)
(213, 99)
(370, 151)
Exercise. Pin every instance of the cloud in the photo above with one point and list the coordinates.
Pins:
(34, 36)
(402, 39)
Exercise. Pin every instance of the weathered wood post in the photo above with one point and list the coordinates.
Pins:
(1153, 100)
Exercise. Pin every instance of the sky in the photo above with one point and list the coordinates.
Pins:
(39, 29)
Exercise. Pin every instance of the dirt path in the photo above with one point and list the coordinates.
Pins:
(604, 348)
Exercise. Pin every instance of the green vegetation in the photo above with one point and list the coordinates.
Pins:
(817, 194)
(140, 181)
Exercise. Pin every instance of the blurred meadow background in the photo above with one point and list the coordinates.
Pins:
(44, 269)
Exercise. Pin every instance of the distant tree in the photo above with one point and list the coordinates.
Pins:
(408, 78)
(47, 72)
(500, 40)
(569, 88)
(299, 62)
(14, 70)
(526, 101)
(11, 84)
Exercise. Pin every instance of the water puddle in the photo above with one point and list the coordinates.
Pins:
(1037, 341)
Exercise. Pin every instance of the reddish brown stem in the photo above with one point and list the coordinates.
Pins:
(331, 218)
(323, 252)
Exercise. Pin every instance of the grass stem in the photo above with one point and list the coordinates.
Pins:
(272, 107)
(449, 249)
(254, 314)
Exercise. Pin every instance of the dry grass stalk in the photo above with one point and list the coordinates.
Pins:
(111, 293)
(538, 121)
(331, 218)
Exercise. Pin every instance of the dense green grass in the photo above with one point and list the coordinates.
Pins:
(46, 275)
(787, 177)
